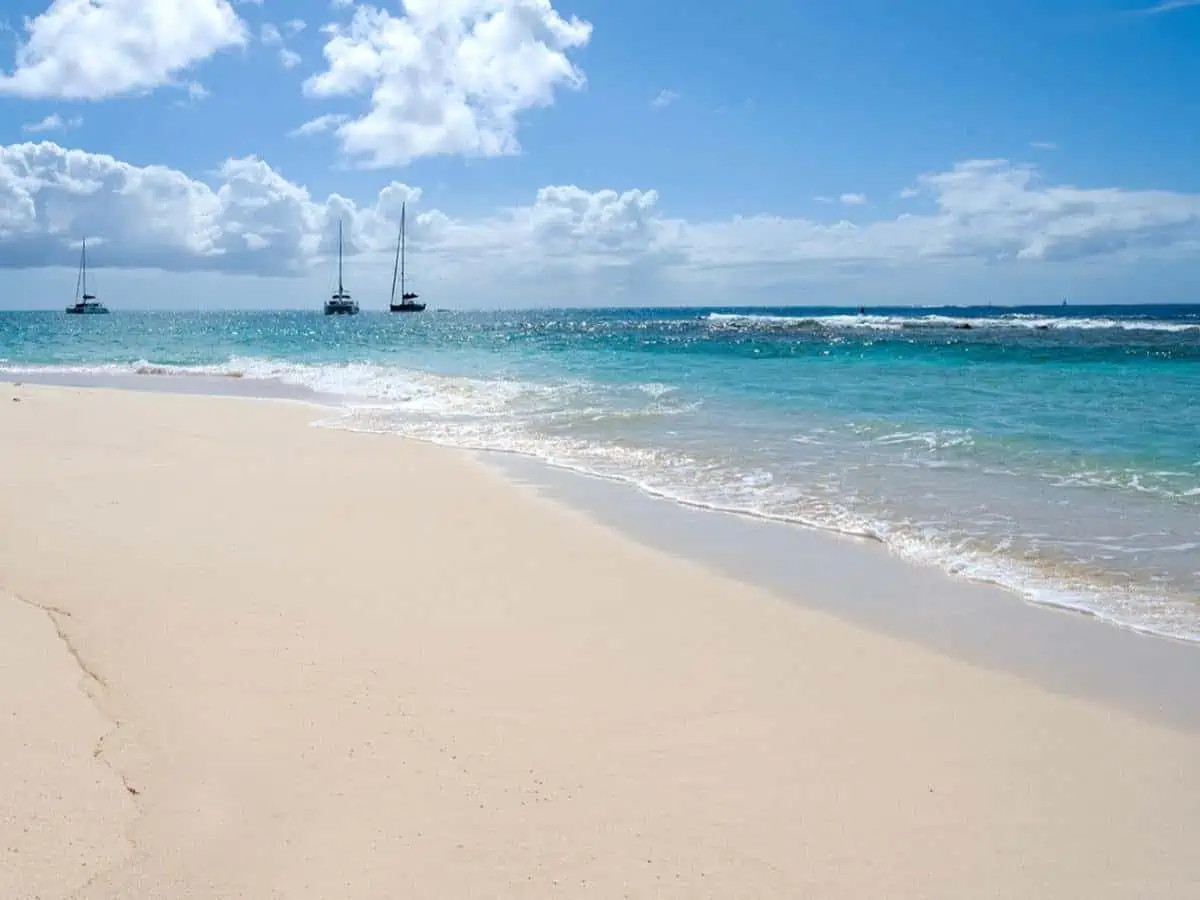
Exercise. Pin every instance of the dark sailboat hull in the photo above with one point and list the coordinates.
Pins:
(408, 299)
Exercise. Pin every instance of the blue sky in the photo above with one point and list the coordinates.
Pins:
(596, 153)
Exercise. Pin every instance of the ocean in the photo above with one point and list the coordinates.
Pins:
(1055, 451)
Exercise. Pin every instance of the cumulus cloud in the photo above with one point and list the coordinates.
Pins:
(92, 49)
(989, 211)
(853, 199)
(249, 218)
(565, 226)
(446, 77)
(993, 209)
(52, 122)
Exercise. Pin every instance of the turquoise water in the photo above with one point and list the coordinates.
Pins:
(1055, 451)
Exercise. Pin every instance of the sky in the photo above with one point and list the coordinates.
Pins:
(601, 152)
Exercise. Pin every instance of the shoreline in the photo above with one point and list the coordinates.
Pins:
(418, 678)
(1160, 616)
(1150, 675)
(1105, 659)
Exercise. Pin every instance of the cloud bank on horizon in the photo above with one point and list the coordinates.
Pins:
(459, 80)
(252, 220)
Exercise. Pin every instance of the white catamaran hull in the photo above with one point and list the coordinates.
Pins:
(341, 304)
(85, 304)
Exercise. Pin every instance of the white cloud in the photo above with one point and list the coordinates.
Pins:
(1043, 145)
(92, 49)
(294, 26)
(908, 193)
(569, 223)
(665, 98)
(52, 122)
(319, 125)
(250, 219)
(271, 36)
(1168, 6)
(853, 199)
(448, 76)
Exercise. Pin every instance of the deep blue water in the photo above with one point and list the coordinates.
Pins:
(1056, 451)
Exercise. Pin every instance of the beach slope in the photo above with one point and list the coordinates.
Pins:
(255, 658)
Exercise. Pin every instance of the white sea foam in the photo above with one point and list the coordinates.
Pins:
(1168, 485)
(936, 439)
(900, 323)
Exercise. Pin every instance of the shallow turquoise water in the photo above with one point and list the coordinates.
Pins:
(1056, 451)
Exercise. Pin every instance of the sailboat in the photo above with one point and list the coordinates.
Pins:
(340, 303)
(407, 298)
(85, 304)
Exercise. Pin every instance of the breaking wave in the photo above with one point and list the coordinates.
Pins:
(868, 322)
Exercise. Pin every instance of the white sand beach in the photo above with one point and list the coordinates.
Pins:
(241, 656)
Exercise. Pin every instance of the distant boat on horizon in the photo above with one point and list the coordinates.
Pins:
(407, 298)
(85, 304)
(340, 304)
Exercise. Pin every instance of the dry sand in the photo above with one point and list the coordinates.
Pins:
(253, 658)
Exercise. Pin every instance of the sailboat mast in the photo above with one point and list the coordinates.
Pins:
(83, 273)
(396, 264)
(403, 229)
(340, 290)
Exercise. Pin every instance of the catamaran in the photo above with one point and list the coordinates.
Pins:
(407, 298)
(340, 303)
(85, 304)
